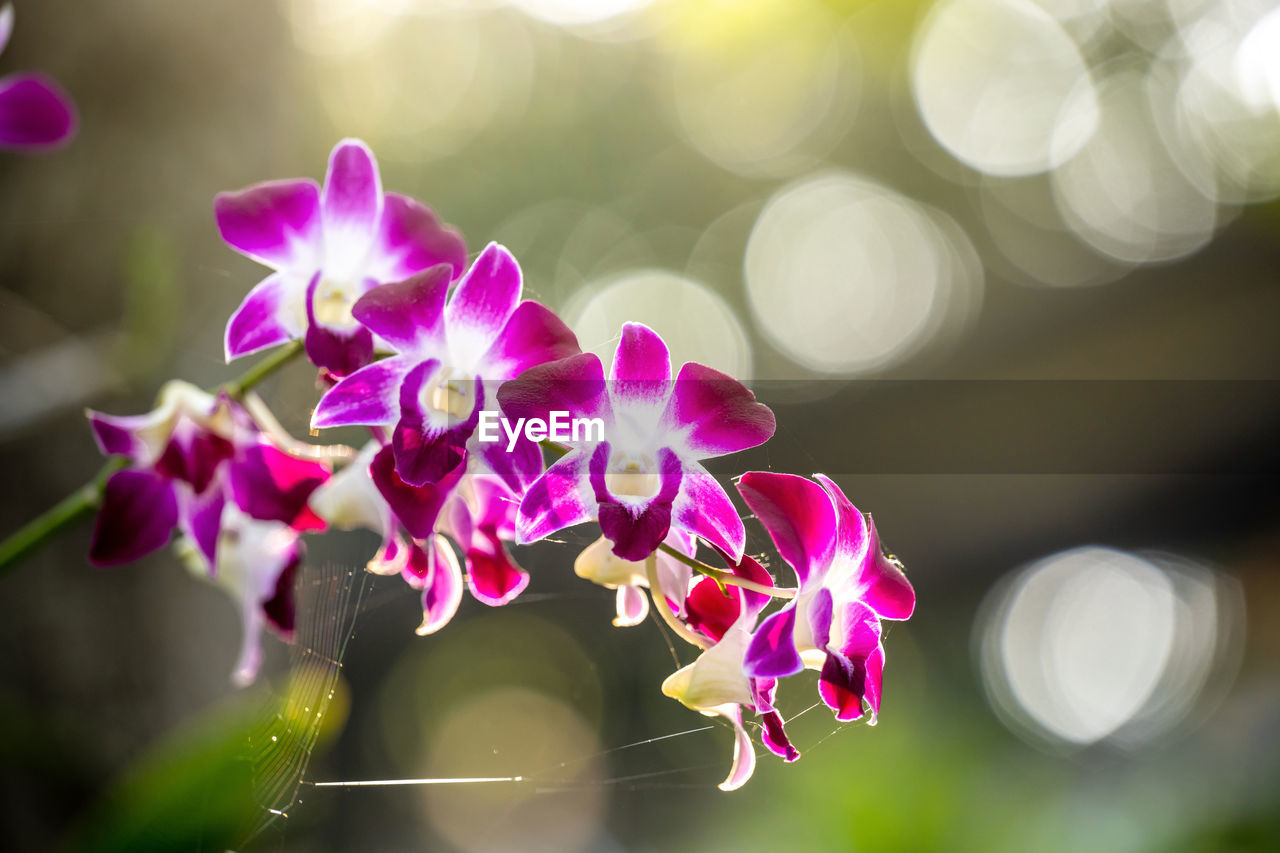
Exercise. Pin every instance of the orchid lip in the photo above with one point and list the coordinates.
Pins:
(632, 475)
(450, 394)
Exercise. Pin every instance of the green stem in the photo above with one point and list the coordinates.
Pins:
(725, 578)
(88, 497)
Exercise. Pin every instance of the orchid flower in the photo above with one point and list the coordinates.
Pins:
(847, 585)
(175, 454)
(646, 478)
(198, 463)
(327, 247)
(715, 684)
(35, 113)
(446, 351)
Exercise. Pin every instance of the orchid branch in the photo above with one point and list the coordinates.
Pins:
(88, 497)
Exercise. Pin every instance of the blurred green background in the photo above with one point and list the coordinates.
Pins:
(828, 198)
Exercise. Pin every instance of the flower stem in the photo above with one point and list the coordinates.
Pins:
(87, 498)
(724, 578)
(660, 604)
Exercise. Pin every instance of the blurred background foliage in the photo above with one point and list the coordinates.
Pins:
(805, 193)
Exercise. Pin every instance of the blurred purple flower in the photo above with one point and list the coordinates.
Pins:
(646, 477)
(35, 113)
(328, 247)
(199, 464)
(847, 585)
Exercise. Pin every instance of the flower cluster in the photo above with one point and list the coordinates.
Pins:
(414, 344)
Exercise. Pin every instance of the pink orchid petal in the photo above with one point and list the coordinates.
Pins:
(116, 435)
(712, 611)
(722, 413)
(409, 314)
(881, 582)
(201, 521)
(6, 25)
(704, 509)
(574, 384)
(271, 485)
(798, 516)
(442, 596)
(368, 397)
(417, 507)
(139, 511)
(633, 606)
(280, 609)
(533, 335)
(261, 321)
(744, 754)
(851, 526)
(556, 500)
(352, 205)
(276, 223)
(641, 372)
(774, 736)
(35, 113)
(493, 577)
(772, 651)
(411, 239)
(485, 297)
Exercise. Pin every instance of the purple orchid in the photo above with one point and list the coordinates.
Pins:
(448, 350)
(198, 463)
(847, 585)
(646, 478)
(35, 113)
(327, 248)
(715, 684)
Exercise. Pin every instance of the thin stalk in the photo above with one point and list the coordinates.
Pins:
(88, 497)
(725, 578)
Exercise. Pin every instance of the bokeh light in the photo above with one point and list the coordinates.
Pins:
(1002, 86)
(846, 276)
(761, 87)
(694, 321)
(1096, 644)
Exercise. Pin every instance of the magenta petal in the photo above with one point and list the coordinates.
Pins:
(409, 314)
(635, 529)
(425, 452)
(411, 239)
(201, 521)
(704, 509)
(368, 397)
(193, 454)
(775, 737)
(798, 516)
(574, 385)
(841, 685)
(883, 586)
(723, 412)
(271, 485)
(556, 500)
(821, 611)
(139, 511)
(35, 113)
(443, 593)
(516, 469)
(259, 321)
(482, 302)
(712, 610)
(492, 575)
(641, 371)
(352, 199)
(417, 507)
(772, 651)
(533, 335)
(115, 435)
(280, 609)
(276, 223)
